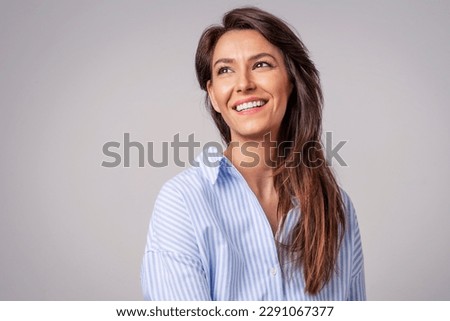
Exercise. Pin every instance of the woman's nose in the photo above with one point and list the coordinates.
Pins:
(244, 83)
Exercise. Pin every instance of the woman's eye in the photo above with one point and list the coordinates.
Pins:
(223, 70)
(262, 64)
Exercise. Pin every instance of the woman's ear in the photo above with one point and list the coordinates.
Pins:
(291, 87)
(212, 97)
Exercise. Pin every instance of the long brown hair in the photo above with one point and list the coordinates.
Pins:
(301, 169)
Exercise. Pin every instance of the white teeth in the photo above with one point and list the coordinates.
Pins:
(251, 104)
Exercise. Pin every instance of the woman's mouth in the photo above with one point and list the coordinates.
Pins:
(250, 105)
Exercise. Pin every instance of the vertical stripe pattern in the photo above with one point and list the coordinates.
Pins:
(209, 239)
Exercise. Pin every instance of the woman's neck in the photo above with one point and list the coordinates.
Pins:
(255, 161)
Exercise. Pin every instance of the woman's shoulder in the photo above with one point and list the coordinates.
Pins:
(200, 178)
(189, 182)
(346, 199)
(348, 207)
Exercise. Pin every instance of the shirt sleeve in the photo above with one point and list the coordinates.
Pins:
(172, 268)
(357, 282)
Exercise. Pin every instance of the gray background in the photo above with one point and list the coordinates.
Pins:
(77, 74)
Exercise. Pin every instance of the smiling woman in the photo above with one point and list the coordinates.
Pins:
(279, 229)
(250, 87)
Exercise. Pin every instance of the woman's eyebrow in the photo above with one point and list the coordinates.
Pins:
(224, 60)
(261, 55)
(254, 57)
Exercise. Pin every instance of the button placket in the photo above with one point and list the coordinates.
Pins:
(273, 271)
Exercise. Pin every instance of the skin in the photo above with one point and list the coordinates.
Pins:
(245, 66)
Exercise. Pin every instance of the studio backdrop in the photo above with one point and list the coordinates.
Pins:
(76, 75)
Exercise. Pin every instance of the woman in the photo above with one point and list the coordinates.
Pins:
(269, 221)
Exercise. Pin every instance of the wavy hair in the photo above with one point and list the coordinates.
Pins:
(301, 167)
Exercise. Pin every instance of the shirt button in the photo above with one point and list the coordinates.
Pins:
(273, 271)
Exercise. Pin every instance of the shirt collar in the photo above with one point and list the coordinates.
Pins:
(212, 163)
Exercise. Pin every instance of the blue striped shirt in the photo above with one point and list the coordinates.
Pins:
(209, 239)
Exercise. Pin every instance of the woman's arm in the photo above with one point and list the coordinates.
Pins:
(172, 268)
(358, 283)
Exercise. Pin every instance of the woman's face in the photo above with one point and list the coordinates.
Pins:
(250, 86)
